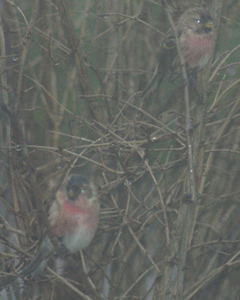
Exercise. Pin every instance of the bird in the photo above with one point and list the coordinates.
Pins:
(195, 32)
(73, 220)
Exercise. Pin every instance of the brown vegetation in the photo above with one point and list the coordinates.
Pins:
(167, 165)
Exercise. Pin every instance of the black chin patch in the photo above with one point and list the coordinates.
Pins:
(207, 29)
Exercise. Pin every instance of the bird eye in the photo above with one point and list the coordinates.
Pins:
(83, 189)
(198, 21)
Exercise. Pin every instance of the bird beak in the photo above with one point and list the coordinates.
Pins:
(71, 194)
(208, 25)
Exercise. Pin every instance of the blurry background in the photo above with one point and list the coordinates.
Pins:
(71, 76)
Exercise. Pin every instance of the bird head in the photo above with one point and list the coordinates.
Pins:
(77, 185)
(197, 20)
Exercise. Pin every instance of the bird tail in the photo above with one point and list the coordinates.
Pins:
(38, 264)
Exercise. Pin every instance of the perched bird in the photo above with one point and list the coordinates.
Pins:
(73, 218)
(196, 39)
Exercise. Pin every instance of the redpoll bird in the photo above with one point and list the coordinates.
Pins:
(73, 218)
(196, 39)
